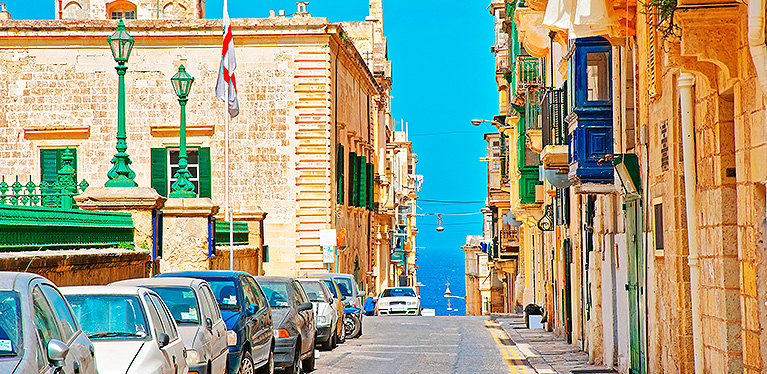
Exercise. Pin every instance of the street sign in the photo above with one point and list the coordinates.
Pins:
(328, 255)
(328, 243)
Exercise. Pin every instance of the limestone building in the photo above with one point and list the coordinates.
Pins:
(305, 147)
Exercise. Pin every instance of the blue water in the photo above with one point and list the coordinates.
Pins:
(435, 265)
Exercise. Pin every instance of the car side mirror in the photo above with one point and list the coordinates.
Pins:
(305, 306)
(57, 352)
(209, 323)
(361, 294)
(252, 309)
(164, 340)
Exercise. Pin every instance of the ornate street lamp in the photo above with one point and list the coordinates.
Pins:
(121, 174)
(182, 85)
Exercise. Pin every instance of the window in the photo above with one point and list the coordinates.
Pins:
(248, 293)
(155, 317)
(206, 296)
(362, 169)
(11, 343)
(122, 9)
(165, 317)
(182, 303)
(45, 318)
(51, 162)
(124, 15)
(258, 297)
(658, 215)
(61, 309)
(353, 180)
(598, 77)
(298, 293)
(165, 166)
(110, 317)
(340, 174)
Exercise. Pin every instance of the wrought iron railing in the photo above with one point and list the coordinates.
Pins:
(58, 194)
(510, 236)
(553, 113)
(528, 72)
(240, 233)
(533, 98)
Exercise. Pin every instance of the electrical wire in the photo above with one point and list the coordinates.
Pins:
(451, 201)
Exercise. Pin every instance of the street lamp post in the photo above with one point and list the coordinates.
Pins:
(182, 85)
(121, 174)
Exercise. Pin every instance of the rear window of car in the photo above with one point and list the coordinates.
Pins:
(314, 291)
(277, 294)
(345, 286)
(225, 291)
(182, 303)
(10, 324)
(398, 292)
(331, 286)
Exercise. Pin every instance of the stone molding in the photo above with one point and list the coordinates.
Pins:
(57, 132)
(164, 130)
(189, 207)
(249, 213)
(120, 199)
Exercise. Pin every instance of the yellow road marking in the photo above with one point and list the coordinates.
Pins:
(514, 359)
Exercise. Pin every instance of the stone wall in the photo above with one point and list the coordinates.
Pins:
(82, 267)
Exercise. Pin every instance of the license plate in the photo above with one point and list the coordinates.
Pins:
(398, 308)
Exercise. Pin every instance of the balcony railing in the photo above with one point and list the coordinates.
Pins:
(528, 71)
(553, 113)
(510, 237)
(533, 98)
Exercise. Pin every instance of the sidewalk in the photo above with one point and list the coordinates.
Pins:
(544, 351)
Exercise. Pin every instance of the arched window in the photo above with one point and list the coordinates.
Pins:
(121, 9)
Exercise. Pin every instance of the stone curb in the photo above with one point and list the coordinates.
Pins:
(537, 363)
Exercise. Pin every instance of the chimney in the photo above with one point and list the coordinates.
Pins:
(271, 13)
(301, 12)
(376, 11)
(4, 15)
(281, 13)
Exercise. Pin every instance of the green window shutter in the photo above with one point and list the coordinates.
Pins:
(160, 170)
(50, 163)
(371, 184)
(203, 155)
(352, 178)
(340, 174)
(363, 182)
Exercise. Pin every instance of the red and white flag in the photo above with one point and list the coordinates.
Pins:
(226, 79)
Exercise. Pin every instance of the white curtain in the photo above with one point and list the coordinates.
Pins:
(581, 18)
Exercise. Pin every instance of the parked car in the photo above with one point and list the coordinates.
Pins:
(131, 328)
(325, 315)
(398, 300)
(294, 325)
(247, 316)
(38, 332)
(347, 285)
(338, 304)
(193, 306)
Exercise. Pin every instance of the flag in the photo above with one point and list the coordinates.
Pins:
(226, 79)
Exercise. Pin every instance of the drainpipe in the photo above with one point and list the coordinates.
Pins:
(685, 83)
(756, 41)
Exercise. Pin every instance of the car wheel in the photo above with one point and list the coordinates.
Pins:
(335, 341)
(328, 345)
(352, 325)
(341, 339)
(268, 367)
(295, 367)
(308, 363)
(246, 365)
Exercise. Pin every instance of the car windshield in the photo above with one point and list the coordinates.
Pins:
(314, 291)
(225, 292)
(110, 316)
(181, 302)
(276, 293)
(398, 292)
(345, 286)
(330, 285)
(10, 324)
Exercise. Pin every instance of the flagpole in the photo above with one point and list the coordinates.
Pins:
(226, 183)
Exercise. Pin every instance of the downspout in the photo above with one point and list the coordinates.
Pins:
(685, 83)
(756, 42)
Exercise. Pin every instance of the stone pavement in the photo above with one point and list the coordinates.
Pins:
(544, 351)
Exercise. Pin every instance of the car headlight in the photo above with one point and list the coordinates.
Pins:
(231, 337)
(322, 320)
(411, 303)
(192, 357)
(383, 304)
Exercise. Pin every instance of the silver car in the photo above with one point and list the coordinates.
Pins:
(131, 328)
(38, 333)
(324, 313)
(192, 304)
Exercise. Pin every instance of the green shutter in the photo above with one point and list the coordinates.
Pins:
(371, 186)
(203, 155)
(160, 170)
(50, 163)
(340, 174)
(363, 182)
(352, 179)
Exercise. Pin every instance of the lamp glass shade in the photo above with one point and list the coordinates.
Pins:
(121, 43)
(182, 82)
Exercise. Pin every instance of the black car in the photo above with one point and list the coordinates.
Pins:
(247, 316)
(294, 324)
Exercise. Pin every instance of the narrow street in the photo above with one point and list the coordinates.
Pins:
(425, 345)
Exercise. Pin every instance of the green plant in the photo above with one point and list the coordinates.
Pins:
(126, 245)
(660, 17)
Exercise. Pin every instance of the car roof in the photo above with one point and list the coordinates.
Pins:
(203, 273)
(331, 275)
(162, 281)
(314, 280)
(102, 290)
(273, 279)
(391, 288)
(10, 280)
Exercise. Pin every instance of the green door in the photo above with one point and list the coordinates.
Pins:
(567, 312)
(635, 286)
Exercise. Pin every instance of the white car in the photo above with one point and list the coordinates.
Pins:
(398, 300)
(132, 330)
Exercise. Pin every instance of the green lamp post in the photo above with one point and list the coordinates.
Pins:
(182, 85)
(121, 174)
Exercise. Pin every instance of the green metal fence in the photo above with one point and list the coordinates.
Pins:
(240, 233)
(24, 228)
(533, 98)
(528, 72)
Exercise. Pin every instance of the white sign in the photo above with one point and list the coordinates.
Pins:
(328, 254)
(328, 237)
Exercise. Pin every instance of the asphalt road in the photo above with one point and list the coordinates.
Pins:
(403, 345)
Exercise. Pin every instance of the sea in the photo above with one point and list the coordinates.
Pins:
(437, 266)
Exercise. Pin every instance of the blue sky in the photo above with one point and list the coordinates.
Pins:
(442, 79)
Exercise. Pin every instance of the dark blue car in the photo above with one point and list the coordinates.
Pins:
(247, 316)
